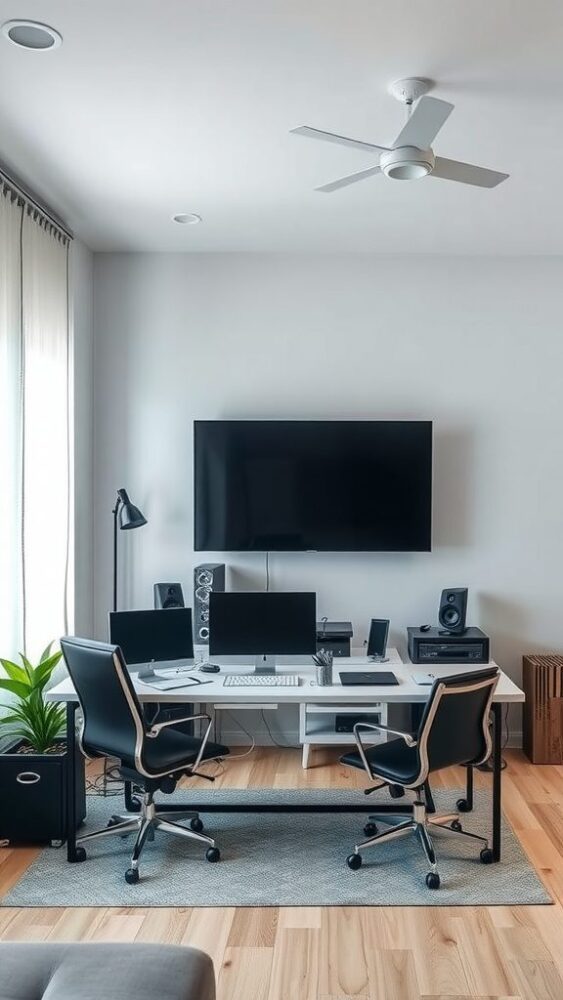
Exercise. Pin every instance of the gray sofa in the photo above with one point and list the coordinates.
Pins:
(104, 972)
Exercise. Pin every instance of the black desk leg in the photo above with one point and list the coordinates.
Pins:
(465, 805)
(73, 853)
(497, 768)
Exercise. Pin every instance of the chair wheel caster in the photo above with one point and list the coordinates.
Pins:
(213, 854)
(132, 876)
(456, 825)
(396, 791)
(486, 856)
(433, 880)
(79, 855)
(463, 806)
(370, 829)
(354, 861)
(196, 824)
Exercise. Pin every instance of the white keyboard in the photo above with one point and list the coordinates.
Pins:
(261, 680)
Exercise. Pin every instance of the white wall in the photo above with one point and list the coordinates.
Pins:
(82, 311)
(474, 344)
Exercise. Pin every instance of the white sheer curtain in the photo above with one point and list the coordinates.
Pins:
(11, 389)
(34, 440)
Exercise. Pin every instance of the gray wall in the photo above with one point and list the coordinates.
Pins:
(474, 344)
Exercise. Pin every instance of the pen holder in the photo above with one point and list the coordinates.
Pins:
(324, 669)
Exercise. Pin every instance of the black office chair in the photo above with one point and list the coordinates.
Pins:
(454, 729)
(150, 756)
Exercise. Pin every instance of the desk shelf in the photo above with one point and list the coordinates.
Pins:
(317, 725)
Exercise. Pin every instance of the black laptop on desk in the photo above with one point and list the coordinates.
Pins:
(379, 678)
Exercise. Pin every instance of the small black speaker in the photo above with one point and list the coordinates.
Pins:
(453, 608)
(207, 577)
(168, 595)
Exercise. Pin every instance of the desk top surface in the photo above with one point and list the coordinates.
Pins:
(212, 688)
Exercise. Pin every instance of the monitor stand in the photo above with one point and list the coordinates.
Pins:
(265, 664)
(146, 672)
(379, 659)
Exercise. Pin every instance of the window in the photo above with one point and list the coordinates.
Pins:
(34, 430)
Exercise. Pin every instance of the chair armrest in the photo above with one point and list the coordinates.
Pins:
(155, 730)
(407, 737)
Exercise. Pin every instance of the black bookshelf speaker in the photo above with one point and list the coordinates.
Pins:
(453, 609)
(168, 595)
(207, 577)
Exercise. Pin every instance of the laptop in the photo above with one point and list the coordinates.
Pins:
(369, 677)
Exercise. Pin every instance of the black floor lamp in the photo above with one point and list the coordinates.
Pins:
(129, 517)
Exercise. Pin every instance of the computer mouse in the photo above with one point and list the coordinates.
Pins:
(210, 668)
(425, 628)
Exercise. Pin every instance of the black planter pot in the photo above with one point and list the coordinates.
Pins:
(33, 795)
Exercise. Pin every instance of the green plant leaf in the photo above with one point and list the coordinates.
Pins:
(27, 666)
(43, 672)
(15, 687)
(46, 652)
(13, 671)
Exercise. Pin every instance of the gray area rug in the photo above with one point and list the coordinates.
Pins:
(282, 860)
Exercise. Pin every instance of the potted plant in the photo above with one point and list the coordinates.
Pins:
(33, 765)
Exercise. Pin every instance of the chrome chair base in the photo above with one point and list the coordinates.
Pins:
(420, 824)
(145, 824)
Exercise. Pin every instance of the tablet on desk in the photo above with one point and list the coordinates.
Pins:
(369, 677)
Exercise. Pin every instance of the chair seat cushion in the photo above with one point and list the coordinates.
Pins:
(394, 761)
(112, 971)
(172, 750)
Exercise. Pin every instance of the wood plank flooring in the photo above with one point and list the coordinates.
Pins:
(496, 953)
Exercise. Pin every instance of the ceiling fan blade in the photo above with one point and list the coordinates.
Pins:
(467, 173)
(350, 179)
(341, 140)
(424, 123)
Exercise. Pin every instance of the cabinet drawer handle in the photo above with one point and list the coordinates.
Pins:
(28, 778)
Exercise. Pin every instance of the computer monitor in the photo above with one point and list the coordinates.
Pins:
(262, 625)
(148, 636)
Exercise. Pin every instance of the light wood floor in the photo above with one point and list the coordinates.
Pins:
(339, 953)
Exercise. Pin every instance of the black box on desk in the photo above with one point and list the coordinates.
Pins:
(335, 637)
(436, 646)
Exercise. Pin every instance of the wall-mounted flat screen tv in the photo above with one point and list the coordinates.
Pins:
(321, 485)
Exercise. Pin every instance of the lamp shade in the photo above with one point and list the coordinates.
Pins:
(129, 515)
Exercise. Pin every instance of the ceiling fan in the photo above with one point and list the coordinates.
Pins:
(410, 157)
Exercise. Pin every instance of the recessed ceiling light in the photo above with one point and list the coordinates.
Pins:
(32, 35)
(187, 218)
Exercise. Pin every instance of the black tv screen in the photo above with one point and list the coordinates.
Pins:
(333, 486)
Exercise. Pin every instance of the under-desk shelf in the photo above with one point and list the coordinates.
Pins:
(317, 725)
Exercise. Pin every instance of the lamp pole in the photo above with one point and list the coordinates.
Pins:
(115, 512)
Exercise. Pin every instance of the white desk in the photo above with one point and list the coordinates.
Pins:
(213, 689)
(406, 692)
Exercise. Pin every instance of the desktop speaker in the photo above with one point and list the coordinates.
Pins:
(207, 577)
(168, 595)
(452, 611)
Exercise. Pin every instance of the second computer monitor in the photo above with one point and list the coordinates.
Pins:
(159, 635)
(262, 625)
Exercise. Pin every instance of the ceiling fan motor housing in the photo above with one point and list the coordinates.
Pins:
(407, 163)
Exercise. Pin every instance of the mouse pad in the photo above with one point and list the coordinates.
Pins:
(371, 677)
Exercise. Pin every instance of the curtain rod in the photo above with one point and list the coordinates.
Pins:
(21, 189)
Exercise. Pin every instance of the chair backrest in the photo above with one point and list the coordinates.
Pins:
(113, 719)
(454, 728)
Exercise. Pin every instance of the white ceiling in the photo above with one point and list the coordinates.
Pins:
(154, 107)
